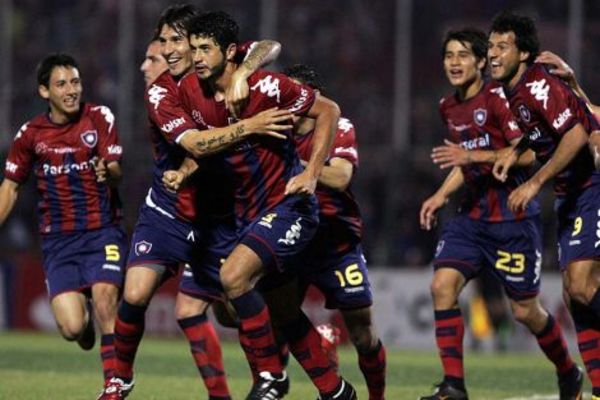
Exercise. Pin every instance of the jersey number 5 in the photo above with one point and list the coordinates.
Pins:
(112, 252)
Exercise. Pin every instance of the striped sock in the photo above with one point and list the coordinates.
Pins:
(553, 344)
(588, 340)
(107, 354)
(372, 365)
(129, 329)
(449, 333)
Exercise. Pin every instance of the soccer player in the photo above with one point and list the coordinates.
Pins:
(335, 262)
(275, 206)
(485, 234)
(173, 228)
(557, 125)
(74, 152)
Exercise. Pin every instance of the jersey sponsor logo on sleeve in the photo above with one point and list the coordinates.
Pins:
(346, 150)
(512, 125)
(172, 124)
(107, 114)
(480, 116)
(142, 247)
(539, 90)
(562, 118)
(300, 101)
(292, 234)
(11, 167)
(89, 138)
(115, 149)
(268, 86)
(156, 94)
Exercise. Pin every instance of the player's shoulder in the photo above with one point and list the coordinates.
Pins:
(447, 101)
(98, 113)
(263, 76)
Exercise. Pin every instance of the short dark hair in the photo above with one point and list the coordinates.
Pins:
(45, 67)
(178, 17)
(218, 25)
(306, 75)
(526, 37)
(475, 37)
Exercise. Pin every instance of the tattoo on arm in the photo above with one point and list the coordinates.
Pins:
(219, 142)
(256, 56)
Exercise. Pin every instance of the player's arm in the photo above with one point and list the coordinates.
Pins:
(326, 114)
(206, 142)
(174, 179)
(259, 55)
(9, 191)
(570, 144)
(108, 172)
(429, 208)
(337, 174)
(453, 155)
(566, 73)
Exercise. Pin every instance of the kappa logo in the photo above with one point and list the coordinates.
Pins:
(292, 234)
(90, 138)
(539, 89)
(268, 86)
(108, 115)
(21, 130)
(439, 247)
(345, 124)
(156, 94)
(480, 116)
(142, 247)
(524, 113)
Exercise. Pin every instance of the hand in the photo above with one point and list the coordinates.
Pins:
(173, 180)
(429, 208)
(268, 122)
(521, 196)
(236, 95)
(560, 67)
(506, 159)
(101, 170)
(302, 183)
(450, 155)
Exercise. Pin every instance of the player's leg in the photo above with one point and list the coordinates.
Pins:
(370, 349)
(105, 299)
(582, 281)
(193, 299)
(71, 315)
(458, 258)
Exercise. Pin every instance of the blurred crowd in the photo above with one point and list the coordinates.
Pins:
(351, 43)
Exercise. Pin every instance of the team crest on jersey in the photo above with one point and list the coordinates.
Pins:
(89, 138)
(479, 116)
(524, 113)
(142, 247)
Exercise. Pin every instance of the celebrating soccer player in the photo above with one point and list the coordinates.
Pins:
(74, 152)
(557, 125)
(486, 233)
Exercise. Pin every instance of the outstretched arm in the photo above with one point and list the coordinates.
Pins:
(429, 208)
(453, 155)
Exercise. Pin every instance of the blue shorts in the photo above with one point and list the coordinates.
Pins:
(341, 276)
(511, 250)
(76, 261)
(201, 278)
(579, 226)
(160, 240)
(280, 234)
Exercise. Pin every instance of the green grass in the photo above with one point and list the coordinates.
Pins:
(40, 366)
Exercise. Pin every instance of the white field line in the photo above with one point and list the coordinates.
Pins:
(546, 397)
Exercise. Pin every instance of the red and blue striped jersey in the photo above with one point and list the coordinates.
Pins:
(484, 122)
(339, 211)
(546, 108)
(168, 121)
(62, 158)
(260, 165)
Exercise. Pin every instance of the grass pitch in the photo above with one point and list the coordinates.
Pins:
(43, 366)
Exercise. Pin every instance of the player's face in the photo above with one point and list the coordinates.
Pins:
(63, 92)
(154, 63)
(504, 56)
(175, 48)
(209, 60)
(460, 64)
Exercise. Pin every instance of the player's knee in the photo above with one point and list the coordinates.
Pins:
(185, 309)
(577, 289)
(71, 329)
(363, 338)
(441, 289)
(234, 281)
(137, 295)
